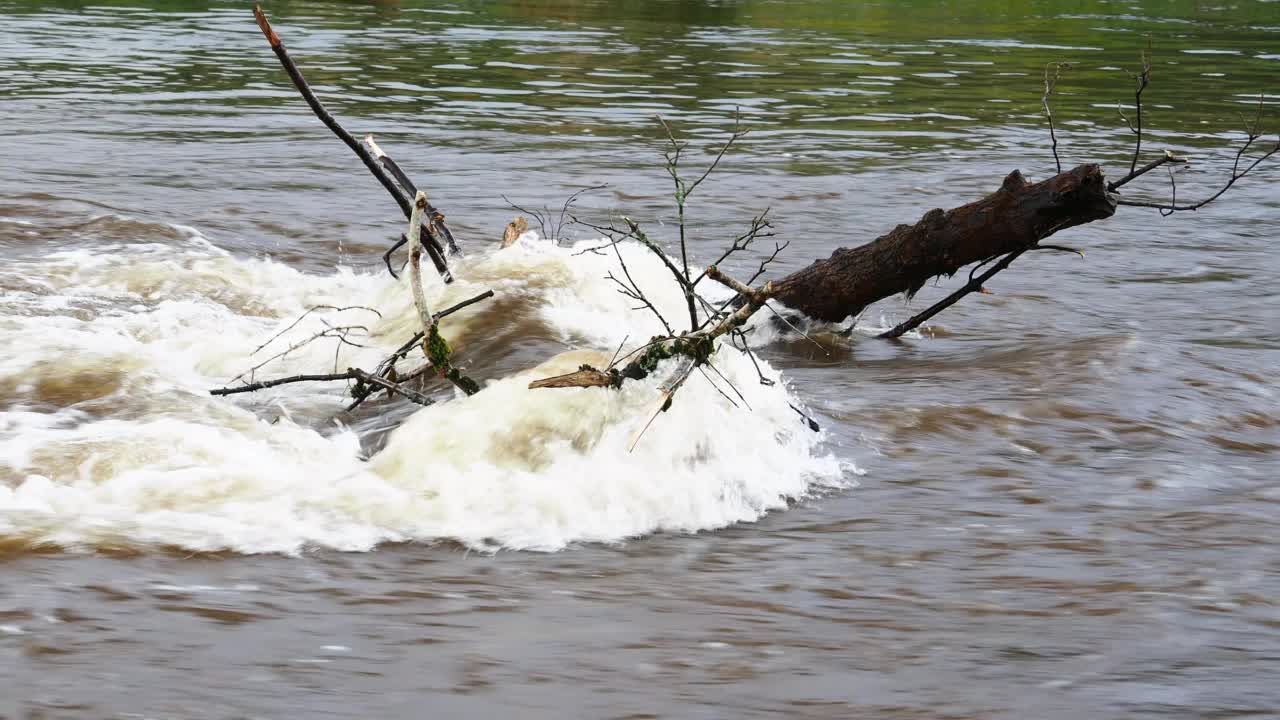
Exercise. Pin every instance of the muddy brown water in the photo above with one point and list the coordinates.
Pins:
(1070, 492)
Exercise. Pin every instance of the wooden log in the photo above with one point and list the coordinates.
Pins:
(1016, 217)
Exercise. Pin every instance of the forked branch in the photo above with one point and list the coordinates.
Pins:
(1253, 132)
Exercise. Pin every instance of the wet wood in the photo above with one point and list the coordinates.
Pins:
(585, 376)
(514, 230)
(1014, 218)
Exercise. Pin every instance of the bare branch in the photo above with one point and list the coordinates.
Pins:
(717, 312)
(552, 230)
(684, 189)
(252, 387)
(728, 382)
(339, 333)
(713, 384)
(1253, 132)
(366, 156)
(415, 254)
(350, 374)
(1142, 79)
(1050, 83)
(318, 108)
(303, 316)
(757, 230)
(953, 298)
(1168, 157)
(737, 134)
(682, 277)
(568, 203)
(434, 346)
(746, 348)
(634, 291)
(436, 217)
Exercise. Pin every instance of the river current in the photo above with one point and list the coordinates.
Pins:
(1057, 500)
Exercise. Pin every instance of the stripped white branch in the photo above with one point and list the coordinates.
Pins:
(414, 234)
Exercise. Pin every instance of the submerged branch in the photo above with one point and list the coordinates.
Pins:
(351, 374)
(974, 284)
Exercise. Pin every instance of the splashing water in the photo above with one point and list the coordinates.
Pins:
(108, 436)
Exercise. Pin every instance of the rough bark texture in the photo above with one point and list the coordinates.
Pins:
(1017, 216)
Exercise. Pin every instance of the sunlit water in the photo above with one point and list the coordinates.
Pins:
(1057, 501)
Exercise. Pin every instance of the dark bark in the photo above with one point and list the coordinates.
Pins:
(1016, 217)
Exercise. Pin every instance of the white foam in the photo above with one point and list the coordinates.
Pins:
(109, 436)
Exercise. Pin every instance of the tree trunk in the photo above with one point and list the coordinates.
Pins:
(1016, 217)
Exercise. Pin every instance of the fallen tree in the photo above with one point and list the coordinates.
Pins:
(994, 231)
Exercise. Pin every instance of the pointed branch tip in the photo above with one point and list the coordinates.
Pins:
(267, 32)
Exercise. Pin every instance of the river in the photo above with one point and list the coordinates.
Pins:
(1058, 500)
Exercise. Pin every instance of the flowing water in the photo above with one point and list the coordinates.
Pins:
(1058, 500)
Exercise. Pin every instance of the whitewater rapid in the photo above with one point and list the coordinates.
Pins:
(109, 437)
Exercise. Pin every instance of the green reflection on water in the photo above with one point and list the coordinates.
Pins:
(875, 77)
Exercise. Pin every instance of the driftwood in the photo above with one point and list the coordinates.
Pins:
(1014, 218)
(989, 233)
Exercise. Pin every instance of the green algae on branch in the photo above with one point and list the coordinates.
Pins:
(438, 354)
(434, 346)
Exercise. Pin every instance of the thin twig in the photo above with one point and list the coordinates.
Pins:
(746, 348)
(313, 308)
(1254, 132)
(338, 332)
(633, 291)
(1050, 83)
(615, 352)
(543, 220)
(743, 241)
(646, 346)
(682, 192)
(1142, 79)
(792, 325)
(712, 383)
(568, 203)
(729, 382)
